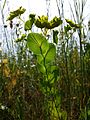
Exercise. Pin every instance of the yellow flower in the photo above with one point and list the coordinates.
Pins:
(5, 61)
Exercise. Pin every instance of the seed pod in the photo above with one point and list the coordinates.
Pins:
(16, 13)
(41, 22)
(72, 24)
(55, 22)
(11, 24)
(32, 16)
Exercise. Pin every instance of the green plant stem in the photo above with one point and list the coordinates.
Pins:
(81, 67)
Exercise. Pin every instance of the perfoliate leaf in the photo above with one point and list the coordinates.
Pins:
(51, 53)
(41, 68)
(28, 25)
(44, 46)
(40, 59)
(52, 68)
(55, 36)
(35, 43)
(53, 71)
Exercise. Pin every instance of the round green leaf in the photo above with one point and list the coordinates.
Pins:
(34, 42)
(39, 59)
(44, 46)
(28, 25)
(51, 53)
(33, 45)
(52, 68)
(41, 68)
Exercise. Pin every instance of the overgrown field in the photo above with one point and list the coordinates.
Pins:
(45, 75)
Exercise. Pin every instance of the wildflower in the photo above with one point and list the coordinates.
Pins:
(5, 61)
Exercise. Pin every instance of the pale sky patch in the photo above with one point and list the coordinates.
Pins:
(39, 7)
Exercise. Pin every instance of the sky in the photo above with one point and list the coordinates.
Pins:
(31, 5)
(39, 7)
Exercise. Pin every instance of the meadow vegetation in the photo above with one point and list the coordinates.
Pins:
(45, 75)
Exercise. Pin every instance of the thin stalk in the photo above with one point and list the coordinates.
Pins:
(48, 6)
(58, 8)
(78, 16)
(81, 68)
(5, 30)
(2, 14)
(46, 94)
(68, 82)
(4, 5)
